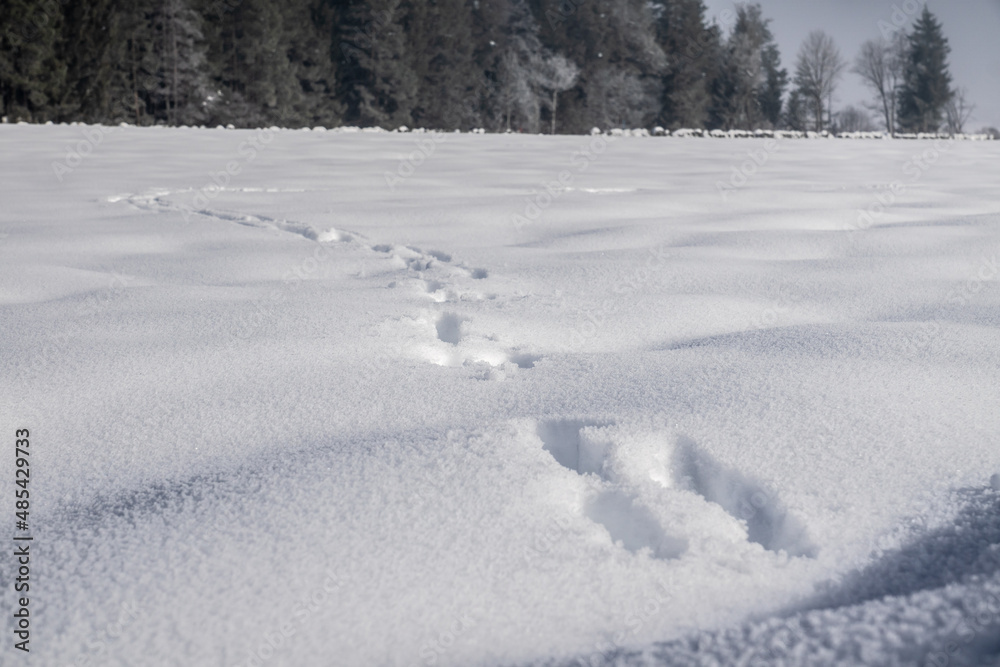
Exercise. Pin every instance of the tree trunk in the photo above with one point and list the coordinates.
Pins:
(135, 83)
(885, 109)
(173, 85)
(555, 102)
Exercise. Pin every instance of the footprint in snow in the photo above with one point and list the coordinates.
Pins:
(161, 200)
(661, 493)
(455, 343)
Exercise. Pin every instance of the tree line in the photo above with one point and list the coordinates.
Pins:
(518, 65)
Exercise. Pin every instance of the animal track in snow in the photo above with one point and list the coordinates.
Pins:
(578, 446)
(437, 277)
(156, 200)
(449, 328)
(432, 286)
(525, 360)
(409, 257)
(670, 496)
(415, 259)
(440, 256)
(562, 438)
(455, 342)
(633, 525)
(449, 331)
(768, 522)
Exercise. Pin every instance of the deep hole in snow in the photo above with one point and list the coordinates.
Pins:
(627, 521)
(449, 328)
(440, 256)
(561, 438)
(633, 525)
(524, 360)
(768, 522)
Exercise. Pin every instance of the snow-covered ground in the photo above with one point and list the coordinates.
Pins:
(388, 399)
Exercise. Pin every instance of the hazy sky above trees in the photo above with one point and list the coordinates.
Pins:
(971, 26)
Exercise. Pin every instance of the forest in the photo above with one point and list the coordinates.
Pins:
(554, 66)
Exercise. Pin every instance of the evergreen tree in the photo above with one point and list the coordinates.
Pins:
(794, 117)
(523, 54)
(377, 82)
(271, 63)
(692, 49)
(101, 37)
(308, 46)
(440, 43)
(32, 73)
(250, 73)
(512, 58)
(926, 88)
(773, 89)
(565, 65)
(747, 91)
(622, 63)
(490, 19)
(179, 96)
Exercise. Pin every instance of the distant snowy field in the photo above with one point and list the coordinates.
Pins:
(454, 400)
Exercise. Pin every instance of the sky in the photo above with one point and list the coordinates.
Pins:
(971, 26)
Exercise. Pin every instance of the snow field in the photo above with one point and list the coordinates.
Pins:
(305, 418)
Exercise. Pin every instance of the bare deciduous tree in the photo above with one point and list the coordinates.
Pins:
(817, 71)
(880, 64)
(516, 93)
(556, 74)
(618, 98)
(958, 110)
(852, 119)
